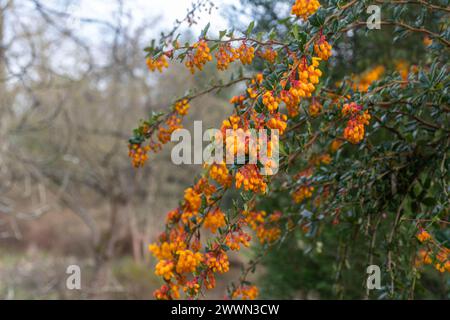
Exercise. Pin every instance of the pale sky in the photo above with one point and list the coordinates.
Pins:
(142, 10)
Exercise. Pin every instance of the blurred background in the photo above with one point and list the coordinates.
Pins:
(73, 85)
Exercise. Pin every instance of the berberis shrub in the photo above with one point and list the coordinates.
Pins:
(363, 179)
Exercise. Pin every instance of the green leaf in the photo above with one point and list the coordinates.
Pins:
(250, 28)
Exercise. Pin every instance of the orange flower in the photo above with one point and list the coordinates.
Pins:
(220, 173)
(268, 54)
(234, 240)
(214, 220)
(173, 123)
(249, 178)
(138, 154)
(363, 82)
(423, 257)
(302, 193)
(315, 108)
(199, 57)
(323, 49)
(261, 224)
(192, 287)
(166, 250)
(270, 101)
(188, 261)
(164, 268)
(354, 131)
(278, 121)
(182, 107)
(335, 145)
(217, 261)
(225, 55)
(246, 54)
(192, 199)
(423, 236)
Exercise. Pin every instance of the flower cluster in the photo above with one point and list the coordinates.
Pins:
(225, 55)
(182, 107)
(423, 236)
(221, 174)
(402, 68)
(192, 287)
(217, 261)
(322, 48)
(315, 108)
(423, 257)
(192, 200)
(164, 268)
(246, 293)
(157, 64)
(362, 83)
(335, 145)
(354, 131)
(301, 86)
(234, 239)
(270, 101)
(246, 53)
(174, 260)
(165, 131)
(214, 220)
(238, 100)
(236, 143)
(166, 250)
(268, 54)
(427, 41)
(231, 123)
(201, 55)
(184, 262)
(433, 254)
(265, 226)
(443, 260)
(278, 121)
(302, 193)
(167, 292)
(249, 178)
(317, 160)
(138, 154)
